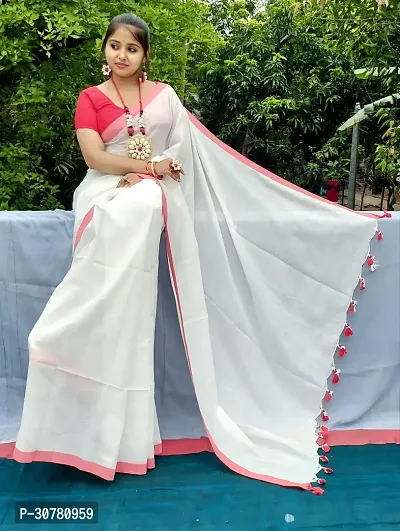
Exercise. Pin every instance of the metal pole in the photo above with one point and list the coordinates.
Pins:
(351, 194)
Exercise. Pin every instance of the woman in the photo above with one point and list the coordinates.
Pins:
(263, 274)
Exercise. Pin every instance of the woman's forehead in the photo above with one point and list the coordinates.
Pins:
(124, 35)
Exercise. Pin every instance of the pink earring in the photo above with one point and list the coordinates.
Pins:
(143, 75)
(106, 70)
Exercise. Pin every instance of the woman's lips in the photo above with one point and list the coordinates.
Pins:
(121, 65)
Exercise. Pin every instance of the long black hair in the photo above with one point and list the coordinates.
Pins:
(136, 25)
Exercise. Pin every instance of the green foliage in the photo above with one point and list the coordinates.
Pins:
(282, 80)
(365, 31)
(387, 154)
(273, 79)
(21, 187)
(330, 162)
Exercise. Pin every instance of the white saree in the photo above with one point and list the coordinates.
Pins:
(263, 275)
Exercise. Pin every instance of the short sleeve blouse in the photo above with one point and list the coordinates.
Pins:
(94, 110)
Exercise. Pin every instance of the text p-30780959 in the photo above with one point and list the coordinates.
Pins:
(54, 512)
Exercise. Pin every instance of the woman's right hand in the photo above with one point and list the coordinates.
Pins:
(164, 168)
(129, 180)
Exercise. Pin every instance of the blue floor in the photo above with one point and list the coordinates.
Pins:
(197, 492)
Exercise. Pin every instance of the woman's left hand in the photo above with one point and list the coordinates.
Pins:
(165, 167)
(129, 180)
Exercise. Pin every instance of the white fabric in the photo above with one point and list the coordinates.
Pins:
(81, 377)
(265, 275)
(367, 397)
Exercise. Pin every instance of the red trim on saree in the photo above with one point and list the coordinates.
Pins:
(171, 447)
(86, 466)
(85, 222)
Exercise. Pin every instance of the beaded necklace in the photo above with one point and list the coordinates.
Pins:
(138, 146)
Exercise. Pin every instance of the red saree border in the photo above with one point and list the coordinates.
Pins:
(172, 447)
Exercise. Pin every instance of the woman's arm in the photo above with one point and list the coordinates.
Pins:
(96, 158)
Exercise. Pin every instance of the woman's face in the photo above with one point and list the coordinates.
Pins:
(124, 53)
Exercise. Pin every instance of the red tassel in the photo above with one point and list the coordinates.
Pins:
(385, 215)
(380, 235)
(323, 459)
(321, 481)
(323, 434)
(342, 351)
(362, 284)
(370, 260)
(317, 491)
(325, 417)
(328, 470)
(328, 396)
(352, 307)
(326, 448)
(348, 331)
(336, 378)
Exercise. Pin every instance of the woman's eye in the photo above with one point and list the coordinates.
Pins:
(114, 46)
(133, 50)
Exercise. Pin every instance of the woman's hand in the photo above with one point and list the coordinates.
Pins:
(129, 180)
(164, 168)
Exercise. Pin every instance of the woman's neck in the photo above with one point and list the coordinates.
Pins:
(126, 83)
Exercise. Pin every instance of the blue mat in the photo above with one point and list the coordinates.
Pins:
(197, 492)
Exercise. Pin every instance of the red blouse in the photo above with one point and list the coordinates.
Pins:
(95, 110)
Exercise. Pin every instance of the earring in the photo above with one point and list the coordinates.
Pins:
(106, 70)
(143, 75)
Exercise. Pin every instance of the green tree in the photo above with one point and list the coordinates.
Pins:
(273, 79)
(281, 80)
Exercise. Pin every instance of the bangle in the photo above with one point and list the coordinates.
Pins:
(155, 174)
(147, 170)
(155, 171)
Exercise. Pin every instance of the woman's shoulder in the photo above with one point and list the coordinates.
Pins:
(161, 84)
(155, 88)
(167, 86)
(93, 93)
(169, 91)
(90, 91)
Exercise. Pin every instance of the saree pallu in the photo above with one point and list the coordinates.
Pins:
(263, 275)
